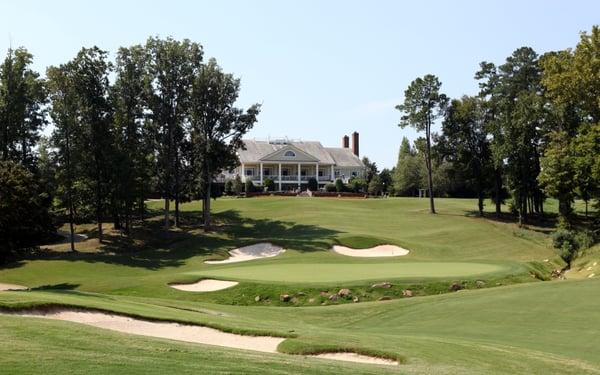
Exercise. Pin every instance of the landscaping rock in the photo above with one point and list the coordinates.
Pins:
(285, 298)
(300, 294)
(455, 287)
(311, 300)
(333, 297)
(384, 285)
(345, 292)
(355, 299)
(324, 293)
(257, 299)
(480, 283)
(407, 293)
(385, 298)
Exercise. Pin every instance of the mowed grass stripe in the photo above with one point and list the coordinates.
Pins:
(329, 272)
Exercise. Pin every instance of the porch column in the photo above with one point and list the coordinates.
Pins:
(243, 173)
(261, 174)
(279, 176)
(332, 173)
(299, 177)
(317, 174)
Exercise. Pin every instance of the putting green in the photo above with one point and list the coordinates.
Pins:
(323, 272)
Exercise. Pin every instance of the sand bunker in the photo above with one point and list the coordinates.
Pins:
(373, 252)
(256, 251)
(4, 286)
(206, 285)
(354, 357)
(172, 331)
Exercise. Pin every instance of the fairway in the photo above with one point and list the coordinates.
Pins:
(323, 273)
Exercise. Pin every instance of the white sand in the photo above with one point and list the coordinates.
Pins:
(256, 251)
(172, 331)
(353, 357)
(377, 251)
(206, 285)
(4, 286)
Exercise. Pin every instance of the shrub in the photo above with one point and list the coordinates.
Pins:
(228, 187)
(330, 188)
(585, 239)
(358, 184)
(25, 220)
(339, 185)
(237, 185)
(313, 185)
(269, 184)
(249, 186)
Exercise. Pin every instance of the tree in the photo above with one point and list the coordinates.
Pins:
(173, 66)
(387, 181)
(466, 138)
(66, 127)
(22, 107)
(90, 86)
(370, 168)
(130, 162)
(217, 126)
(558, 173)
(269, 184)
(423, 104)
(237, 186)
(375, 186)
(407, 174)
(25, 220)
(339, 185)
(312, 184)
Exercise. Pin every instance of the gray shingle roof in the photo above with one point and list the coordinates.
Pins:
(256, 150)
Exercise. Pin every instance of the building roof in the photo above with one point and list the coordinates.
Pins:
(256, 151)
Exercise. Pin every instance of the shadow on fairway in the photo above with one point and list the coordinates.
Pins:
(152, 247)
(61, 286)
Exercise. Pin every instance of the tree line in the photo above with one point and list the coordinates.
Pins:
(532, 132)
(156, 119)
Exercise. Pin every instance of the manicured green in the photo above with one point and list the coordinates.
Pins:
(331, 272)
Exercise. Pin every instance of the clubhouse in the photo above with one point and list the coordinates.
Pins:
(291, 164)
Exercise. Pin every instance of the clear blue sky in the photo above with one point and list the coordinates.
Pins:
(322, 69)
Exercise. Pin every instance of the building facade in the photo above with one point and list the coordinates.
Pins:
(291, 164)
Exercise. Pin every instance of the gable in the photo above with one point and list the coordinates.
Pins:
(289, 153)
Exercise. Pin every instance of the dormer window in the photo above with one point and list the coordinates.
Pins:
(290, 154)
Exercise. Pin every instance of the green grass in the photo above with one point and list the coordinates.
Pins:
(332, 273)
(501, 328)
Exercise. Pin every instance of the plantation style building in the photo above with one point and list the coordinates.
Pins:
(290, 164)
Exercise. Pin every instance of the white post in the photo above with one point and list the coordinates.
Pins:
(299, 176)
(243, 173)
(332, 173)
(317, 174)
(261, 174)
(279, 176)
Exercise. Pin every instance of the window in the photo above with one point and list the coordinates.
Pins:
(284, 171)
(354, 174)
(249, 172)
(303, 172)
(290, 154)
(267, 171)
(337, 173)
(320, 173)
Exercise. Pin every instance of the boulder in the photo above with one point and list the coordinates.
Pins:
(480, 283)
(384, 285)
(344, 292)
(355, 299)
(407, 293)
(333, 297)
(285, 298)
(324, 293)
(311, 300)
(257, 299)
(300, 294)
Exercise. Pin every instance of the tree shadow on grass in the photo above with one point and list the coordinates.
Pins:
(152, 247)
(61, 286)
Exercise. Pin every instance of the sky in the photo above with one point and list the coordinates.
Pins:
(320, 69)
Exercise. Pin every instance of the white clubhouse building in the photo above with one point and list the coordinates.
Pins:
(290, 164)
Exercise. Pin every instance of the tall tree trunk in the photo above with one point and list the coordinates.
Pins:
(70, 189)
(429, 172)
(586, 208)
(176, 188)
(480, 203)
(206, 205)
(167, 224)
(498, 190)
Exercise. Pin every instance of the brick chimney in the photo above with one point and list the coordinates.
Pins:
(345, 141)
(355, 143)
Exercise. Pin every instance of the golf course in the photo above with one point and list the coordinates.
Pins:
(472, 295)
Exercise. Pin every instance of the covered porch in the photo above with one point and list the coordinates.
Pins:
(287, 173)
